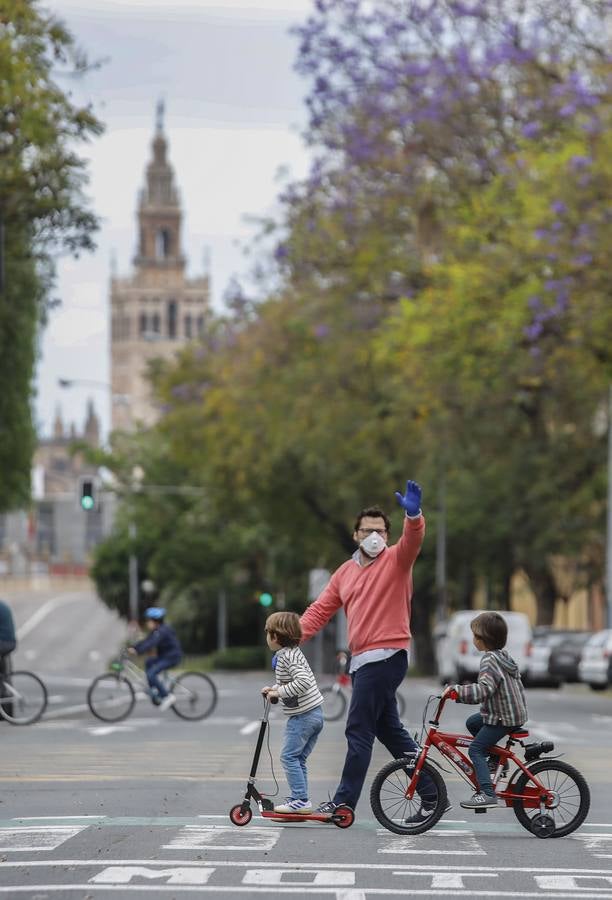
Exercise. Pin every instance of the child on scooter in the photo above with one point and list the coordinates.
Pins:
(296, 688)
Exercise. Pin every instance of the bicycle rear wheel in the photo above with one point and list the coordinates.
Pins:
(196, 695)
(23, 698)
(571, 797)
(393, 808)
(111, 697)
(334, 706)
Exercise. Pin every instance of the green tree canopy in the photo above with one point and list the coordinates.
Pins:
(42, 209)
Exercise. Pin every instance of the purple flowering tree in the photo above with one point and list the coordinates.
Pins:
(447, 85)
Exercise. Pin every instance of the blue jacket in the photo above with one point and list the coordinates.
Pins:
(164, 640)
(7, 626)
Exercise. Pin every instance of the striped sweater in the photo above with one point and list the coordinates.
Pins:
(295, 682)
(499, 690)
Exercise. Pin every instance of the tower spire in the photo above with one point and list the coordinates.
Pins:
(159, 116)
(159, 209)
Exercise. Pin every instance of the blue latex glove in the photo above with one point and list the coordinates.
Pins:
(411, 500)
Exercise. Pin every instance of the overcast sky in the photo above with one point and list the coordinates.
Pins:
(234, 111)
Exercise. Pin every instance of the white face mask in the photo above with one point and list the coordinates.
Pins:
(373, 545)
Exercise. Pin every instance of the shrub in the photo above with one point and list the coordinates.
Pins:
(242, 658)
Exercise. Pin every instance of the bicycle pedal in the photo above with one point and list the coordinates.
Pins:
(480, 811)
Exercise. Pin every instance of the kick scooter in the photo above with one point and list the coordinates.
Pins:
(241, 814)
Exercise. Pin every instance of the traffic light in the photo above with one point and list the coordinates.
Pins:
(88, 494)
(265, 599)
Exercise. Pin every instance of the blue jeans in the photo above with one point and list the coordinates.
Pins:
(153, 666)
(301, 735)
(373, 714)
(484, 737)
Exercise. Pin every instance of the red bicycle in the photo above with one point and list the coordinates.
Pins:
(549, 797)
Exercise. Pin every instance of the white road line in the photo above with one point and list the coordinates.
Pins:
(44, 611)
(339, 894)
(62, 863)
(250, 727)
(53, 818)
(65, 711)
(102, 730)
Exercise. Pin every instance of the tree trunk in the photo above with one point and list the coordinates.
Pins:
(545, 590)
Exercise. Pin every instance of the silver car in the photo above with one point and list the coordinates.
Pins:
(595, 666)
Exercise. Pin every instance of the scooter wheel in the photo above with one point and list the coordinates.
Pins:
(240, 816)
(343, 817)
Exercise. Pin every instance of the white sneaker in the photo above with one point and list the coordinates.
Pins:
(167, 702)
(294, 806)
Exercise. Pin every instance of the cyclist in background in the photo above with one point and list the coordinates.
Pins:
(164, 640)
(8, 639)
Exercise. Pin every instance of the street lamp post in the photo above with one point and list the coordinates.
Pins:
(609, 518)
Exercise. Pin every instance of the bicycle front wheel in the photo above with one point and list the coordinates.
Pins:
(196, 695)
(111, 697)
(571, 797)
(334, 706)
(23, 698)
(394, 810)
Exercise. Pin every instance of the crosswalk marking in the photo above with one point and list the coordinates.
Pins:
(596, 843)
(224, 837)
(37, 837)
(464, 843)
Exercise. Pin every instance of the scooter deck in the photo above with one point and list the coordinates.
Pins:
(297, 817)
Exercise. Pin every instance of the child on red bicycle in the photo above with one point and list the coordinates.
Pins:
(500, 692)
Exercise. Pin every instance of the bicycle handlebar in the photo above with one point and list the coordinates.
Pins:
(441, 704)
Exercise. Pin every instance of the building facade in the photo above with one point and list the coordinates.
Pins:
(157, 309)
(56, 535)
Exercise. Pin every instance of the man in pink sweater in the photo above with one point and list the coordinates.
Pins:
(375, 589)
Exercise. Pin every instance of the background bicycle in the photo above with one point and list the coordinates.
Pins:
(112, 695)
(337, 694)
(23, 697)
(549, 797)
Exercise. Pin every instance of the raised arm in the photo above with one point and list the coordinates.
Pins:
(409, 545)
(320, 612)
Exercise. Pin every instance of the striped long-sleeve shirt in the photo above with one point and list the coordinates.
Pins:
(295, 682)
(499, 690)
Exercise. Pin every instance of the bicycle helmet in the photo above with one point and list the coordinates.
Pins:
(155, 612)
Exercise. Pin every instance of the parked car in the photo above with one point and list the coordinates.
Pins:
(564, 658)
(543, 642)
(595, 666)
(456, 656)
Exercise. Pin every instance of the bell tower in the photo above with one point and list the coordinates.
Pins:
(159, 211)
(156, 309)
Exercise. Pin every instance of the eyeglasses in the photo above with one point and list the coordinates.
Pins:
(371, 530)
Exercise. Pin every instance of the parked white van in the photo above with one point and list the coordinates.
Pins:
(458, 659)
